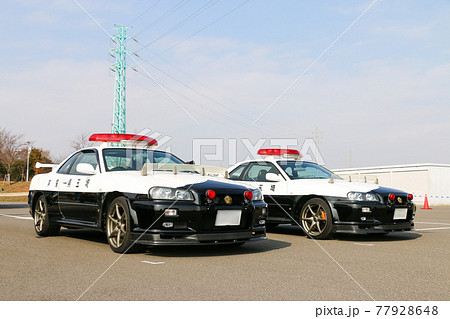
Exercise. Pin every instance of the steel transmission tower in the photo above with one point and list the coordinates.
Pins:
(119, 113)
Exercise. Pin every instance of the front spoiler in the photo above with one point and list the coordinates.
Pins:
(190, 237)
(371, 227)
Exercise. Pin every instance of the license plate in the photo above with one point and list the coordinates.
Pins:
(228, 218)
(400, 213)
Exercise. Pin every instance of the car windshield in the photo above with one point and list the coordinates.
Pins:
(126, 159)
(306, 170)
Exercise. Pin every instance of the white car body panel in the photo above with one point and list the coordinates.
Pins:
(336, 188)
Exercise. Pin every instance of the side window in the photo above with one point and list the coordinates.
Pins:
(68, 164)
(237, 172)
(289, 171)
(88, 157)
(258, 171)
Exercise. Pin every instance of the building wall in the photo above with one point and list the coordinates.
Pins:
(432, 180)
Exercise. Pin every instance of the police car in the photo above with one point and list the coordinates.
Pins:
(307, 194)
(142, 196)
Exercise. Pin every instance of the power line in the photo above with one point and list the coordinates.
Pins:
(223, 106)
(204, 113)
(165, 15)
(185, 20)
(242, 110)
(143, 13)
(204, 28)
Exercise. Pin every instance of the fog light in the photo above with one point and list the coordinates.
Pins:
(167, 224)
(171, 212)
(363, 218)
(262, 222)
(365, 209)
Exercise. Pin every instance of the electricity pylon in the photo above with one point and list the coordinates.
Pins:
(119, 112)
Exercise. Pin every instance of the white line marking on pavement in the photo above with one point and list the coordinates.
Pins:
(364, 244)
(432, 228)
(432, 223)
(153, 262)
(18, 217)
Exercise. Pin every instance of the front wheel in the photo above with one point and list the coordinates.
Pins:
(42, 224)
(316, 219)
(118, 224)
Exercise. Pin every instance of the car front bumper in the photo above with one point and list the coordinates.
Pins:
(371, 217)
(195, 224)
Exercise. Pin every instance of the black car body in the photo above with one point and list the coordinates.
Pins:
(163, 207)
(306, 194)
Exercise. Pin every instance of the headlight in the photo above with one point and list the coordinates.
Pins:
(370, 197)
(170, 193)
(257, 195)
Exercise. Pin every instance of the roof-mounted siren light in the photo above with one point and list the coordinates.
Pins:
(127, 139)
(287, 153)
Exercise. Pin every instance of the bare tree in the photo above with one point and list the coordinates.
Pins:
(10, 145)
(81, 141)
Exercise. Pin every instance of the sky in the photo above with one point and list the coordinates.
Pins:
(369, 80)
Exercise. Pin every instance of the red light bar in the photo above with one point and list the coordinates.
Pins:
(108, 137)
(277, 152)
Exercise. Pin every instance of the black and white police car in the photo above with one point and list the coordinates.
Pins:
(142, 196)
(307, 194)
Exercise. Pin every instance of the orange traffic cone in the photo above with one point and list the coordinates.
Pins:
(425, 203)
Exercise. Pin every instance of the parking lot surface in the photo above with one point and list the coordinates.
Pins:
(79, 265)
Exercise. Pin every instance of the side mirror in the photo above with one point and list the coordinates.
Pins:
(272, 177)
(190, 162)
(85, 168)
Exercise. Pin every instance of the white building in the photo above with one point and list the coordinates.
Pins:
(432, 180)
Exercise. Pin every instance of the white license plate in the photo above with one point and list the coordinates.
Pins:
(228, 218)
(400, 213)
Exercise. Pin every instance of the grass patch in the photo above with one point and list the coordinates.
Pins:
(13, 199)
(17, 187)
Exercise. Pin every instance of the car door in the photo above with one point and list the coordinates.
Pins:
(275, 193)
(78, 195)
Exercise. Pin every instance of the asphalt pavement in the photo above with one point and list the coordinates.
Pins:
(79, 265)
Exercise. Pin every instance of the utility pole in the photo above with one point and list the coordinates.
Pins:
(28, 159)
(119, 52)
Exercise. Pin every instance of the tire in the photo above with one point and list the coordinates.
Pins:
(118, 226)
(42, 224)
(316, 219)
